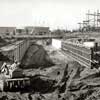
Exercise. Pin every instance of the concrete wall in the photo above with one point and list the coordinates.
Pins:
(56, 43)
(16, 50)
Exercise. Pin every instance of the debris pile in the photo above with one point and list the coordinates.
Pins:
(75, 86)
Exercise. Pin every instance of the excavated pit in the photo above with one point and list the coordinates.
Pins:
(64, 80)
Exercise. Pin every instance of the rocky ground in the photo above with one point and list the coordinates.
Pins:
(65, 80)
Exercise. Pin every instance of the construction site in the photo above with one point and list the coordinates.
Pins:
(38, 65)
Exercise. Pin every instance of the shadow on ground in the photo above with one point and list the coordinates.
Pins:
(38, 83)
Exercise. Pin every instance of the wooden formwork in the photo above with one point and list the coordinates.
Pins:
(80, 53)
(16, 50)
(77, 58)
(18, 83)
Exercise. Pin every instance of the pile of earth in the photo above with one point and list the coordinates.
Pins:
(35, 57)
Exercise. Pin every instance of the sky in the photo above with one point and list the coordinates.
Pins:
(63, 14)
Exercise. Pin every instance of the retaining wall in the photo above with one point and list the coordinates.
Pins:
(16, 50)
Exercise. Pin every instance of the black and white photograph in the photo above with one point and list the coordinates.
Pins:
(49, 49)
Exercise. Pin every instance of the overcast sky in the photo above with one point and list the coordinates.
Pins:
(52, 13)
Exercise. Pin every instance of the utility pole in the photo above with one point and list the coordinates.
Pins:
(95, 18)
(86, 24)
(80, 26)
(92, 21)
(98, 18)
(88, 17)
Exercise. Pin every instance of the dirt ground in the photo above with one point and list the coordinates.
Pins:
(47, 76)
(60, 81)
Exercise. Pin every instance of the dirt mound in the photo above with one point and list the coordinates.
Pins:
(36, 56)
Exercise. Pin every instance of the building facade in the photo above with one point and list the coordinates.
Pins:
(37, 30)
(29, 29)
(7, 30)
(41, 30)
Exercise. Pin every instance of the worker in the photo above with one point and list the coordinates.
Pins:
(14, 65)
(4, 68)
(12, 68)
